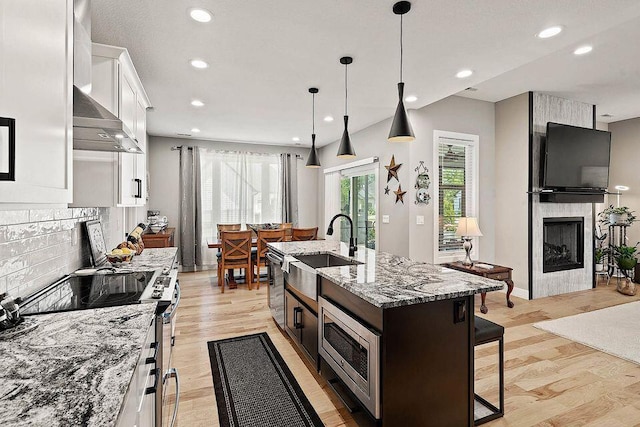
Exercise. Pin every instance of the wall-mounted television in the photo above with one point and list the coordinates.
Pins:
(576, 158)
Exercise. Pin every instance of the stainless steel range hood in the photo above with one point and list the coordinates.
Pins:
(96, 128)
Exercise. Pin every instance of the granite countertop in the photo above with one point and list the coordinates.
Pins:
(387, 280)
(151, 259)
(72, 368)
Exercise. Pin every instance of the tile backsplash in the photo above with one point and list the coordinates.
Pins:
(39, 246)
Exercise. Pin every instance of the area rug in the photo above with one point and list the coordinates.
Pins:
(254, 386)
(612, 330)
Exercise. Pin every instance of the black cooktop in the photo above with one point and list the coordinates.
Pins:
(85, 292)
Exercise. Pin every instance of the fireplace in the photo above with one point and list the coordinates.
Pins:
(563, 244)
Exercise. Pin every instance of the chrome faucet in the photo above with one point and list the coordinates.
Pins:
(352, 242)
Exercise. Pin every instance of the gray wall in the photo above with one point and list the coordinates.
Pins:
(164, 170)
(38, 247)
(401, 235)
(625, 137)
(512, 166)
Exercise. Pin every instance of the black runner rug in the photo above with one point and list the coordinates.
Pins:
(254, 386)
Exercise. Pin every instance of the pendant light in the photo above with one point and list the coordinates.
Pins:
(401, 130)
(346, 149)
(313, 161)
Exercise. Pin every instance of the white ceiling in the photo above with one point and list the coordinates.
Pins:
(264, 55)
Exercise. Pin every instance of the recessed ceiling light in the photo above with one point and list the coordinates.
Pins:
(463, 74)
(549, 32)
(295, 139)
(197, 103)
(200, 15)
(411, 98)
(195, 130)
(119, 136)
(199, 63)
(621, 187)
(583, 49)
(606, 115)
(328, 118)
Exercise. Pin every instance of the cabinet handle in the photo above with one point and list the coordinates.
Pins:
(139, 182)
(153, 358)
(156, 374)
(297, 323)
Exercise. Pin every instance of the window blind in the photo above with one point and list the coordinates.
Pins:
(455, 190)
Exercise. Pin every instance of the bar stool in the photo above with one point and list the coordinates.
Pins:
(487, 332)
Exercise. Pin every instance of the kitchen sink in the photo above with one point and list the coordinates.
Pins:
(325, 260)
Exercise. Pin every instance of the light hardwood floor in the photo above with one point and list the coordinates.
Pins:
(549, 381)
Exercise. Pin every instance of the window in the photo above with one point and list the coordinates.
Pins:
(455, 190)
(238, 188)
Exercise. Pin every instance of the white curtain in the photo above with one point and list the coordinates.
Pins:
(238, 188)
(331, 201)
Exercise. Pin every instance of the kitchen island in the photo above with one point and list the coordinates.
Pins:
(393, 337)
(71, 368)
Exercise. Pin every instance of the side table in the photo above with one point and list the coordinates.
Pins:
(161, 239)
(498, 272)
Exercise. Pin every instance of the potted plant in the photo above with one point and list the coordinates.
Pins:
(625, 257)
(621, 215)
(599, 251)
(599, 254)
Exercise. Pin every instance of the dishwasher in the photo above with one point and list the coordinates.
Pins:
(276, 286)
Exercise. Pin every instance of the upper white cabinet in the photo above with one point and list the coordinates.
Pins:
(115, 179)
(36, 83)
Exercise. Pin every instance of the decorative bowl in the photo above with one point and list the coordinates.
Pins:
(156, 228)
(119, 258)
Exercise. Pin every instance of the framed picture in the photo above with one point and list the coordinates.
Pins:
(96, 241)
(7, 149)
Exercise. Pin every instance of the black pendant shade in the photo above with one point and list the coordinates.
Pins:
(313, 161)
(401, 130)
(346, 149)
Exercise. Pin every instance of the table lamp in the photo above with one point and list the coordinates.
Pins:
(468, 228)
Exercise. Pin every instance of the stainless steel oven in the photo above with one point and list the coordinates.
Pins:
(353, 352)
(276, 286)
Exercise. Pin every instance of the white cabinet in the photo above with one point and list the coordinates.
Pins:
(115, 179)
(36, 72)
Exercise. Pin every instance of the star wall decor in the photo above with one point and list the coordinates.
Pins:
(399, 194)
(387, 190)
(392, 169)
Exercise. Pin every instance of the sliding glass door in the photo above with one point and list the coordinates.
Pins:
(358, 199)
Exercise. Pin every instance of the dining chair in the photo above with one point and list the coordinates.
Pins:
(260, 256)
(298, 234)
(287, 227)
(221, 228)
(236, 253)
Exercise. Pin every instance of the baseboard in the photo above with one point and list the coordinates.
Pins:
(517, 292)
